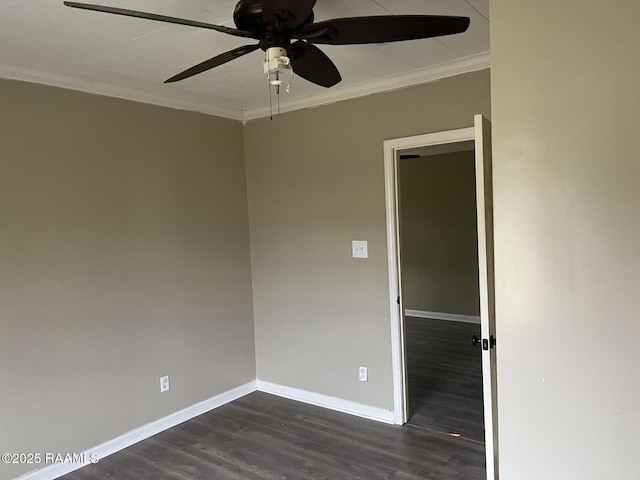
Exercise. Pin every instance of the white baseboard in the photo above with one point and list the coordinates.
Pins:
(56, 470)
(136, 435)
(326, 401)
(452, 317)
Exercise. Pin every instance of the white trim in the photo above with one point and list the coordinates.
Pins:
(326, 401)
(468, 64)
(459, 66)
(452, 317)
(141, 433)
(31, 75)
(486, 282)
(391, 147)
(138, 434)
(397, 332)
(428, 139)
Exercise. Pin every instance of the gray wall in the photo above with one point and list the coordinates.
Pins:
(439, 238)
(315, 183)
(566, 117)
(125, 256)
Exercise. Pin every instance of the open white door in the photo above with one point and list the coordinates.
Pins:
(484, 204)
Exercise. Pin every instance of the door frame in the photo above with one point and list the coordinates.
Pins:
(480, 133)
(396, 308)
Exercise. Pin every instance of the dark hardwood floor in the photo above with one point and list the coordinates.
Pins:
(445, 377)
(261, 436)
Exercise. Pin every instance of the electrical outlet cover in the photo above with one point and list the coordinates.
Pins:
(359, 249)
(164, 383)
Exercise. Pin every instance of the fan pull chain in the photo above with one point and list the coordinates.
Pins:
(270, 100)
(278, 90)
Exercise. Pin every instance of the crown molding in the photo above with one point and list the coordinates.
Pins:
(30, 75)
(468, 64)
(416, 77)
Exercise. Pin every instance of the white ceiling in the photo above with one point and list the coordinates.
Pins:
(45, 42)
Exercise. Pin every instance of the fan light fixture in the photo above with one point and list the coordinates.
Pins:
(277, 68)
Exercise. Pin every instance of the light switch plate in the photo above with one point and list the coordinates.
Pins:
(359, 249)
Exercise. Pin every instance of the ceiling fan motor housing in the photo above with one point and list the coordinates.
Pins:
(249, 16)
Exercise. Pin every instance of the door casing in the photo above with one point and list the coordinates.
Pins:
(396, 309)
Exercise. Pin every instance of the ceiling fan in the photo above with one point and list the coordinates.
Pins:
(286, 31)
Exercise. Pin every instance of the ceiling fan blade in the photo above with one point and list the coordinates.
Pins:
(381, 29)
(159, 18)
(213, 62)
(310, 63)
(287, 13)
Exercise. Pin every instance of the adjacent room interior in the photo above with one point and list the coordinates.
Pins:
(440, 297)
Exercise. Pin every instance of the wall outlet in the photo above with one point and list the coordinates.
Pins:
(164, 383)
(363, 374)
(359, 249)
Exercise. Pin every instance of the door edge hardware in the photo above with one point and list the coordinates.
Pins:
(486, 342)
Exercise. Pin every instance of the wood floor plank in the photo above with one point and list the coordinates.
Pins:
(445, 377)
(261, 436)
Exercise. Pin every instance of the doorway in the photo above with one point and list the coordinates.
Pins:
(437, 236)
(480, 136)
